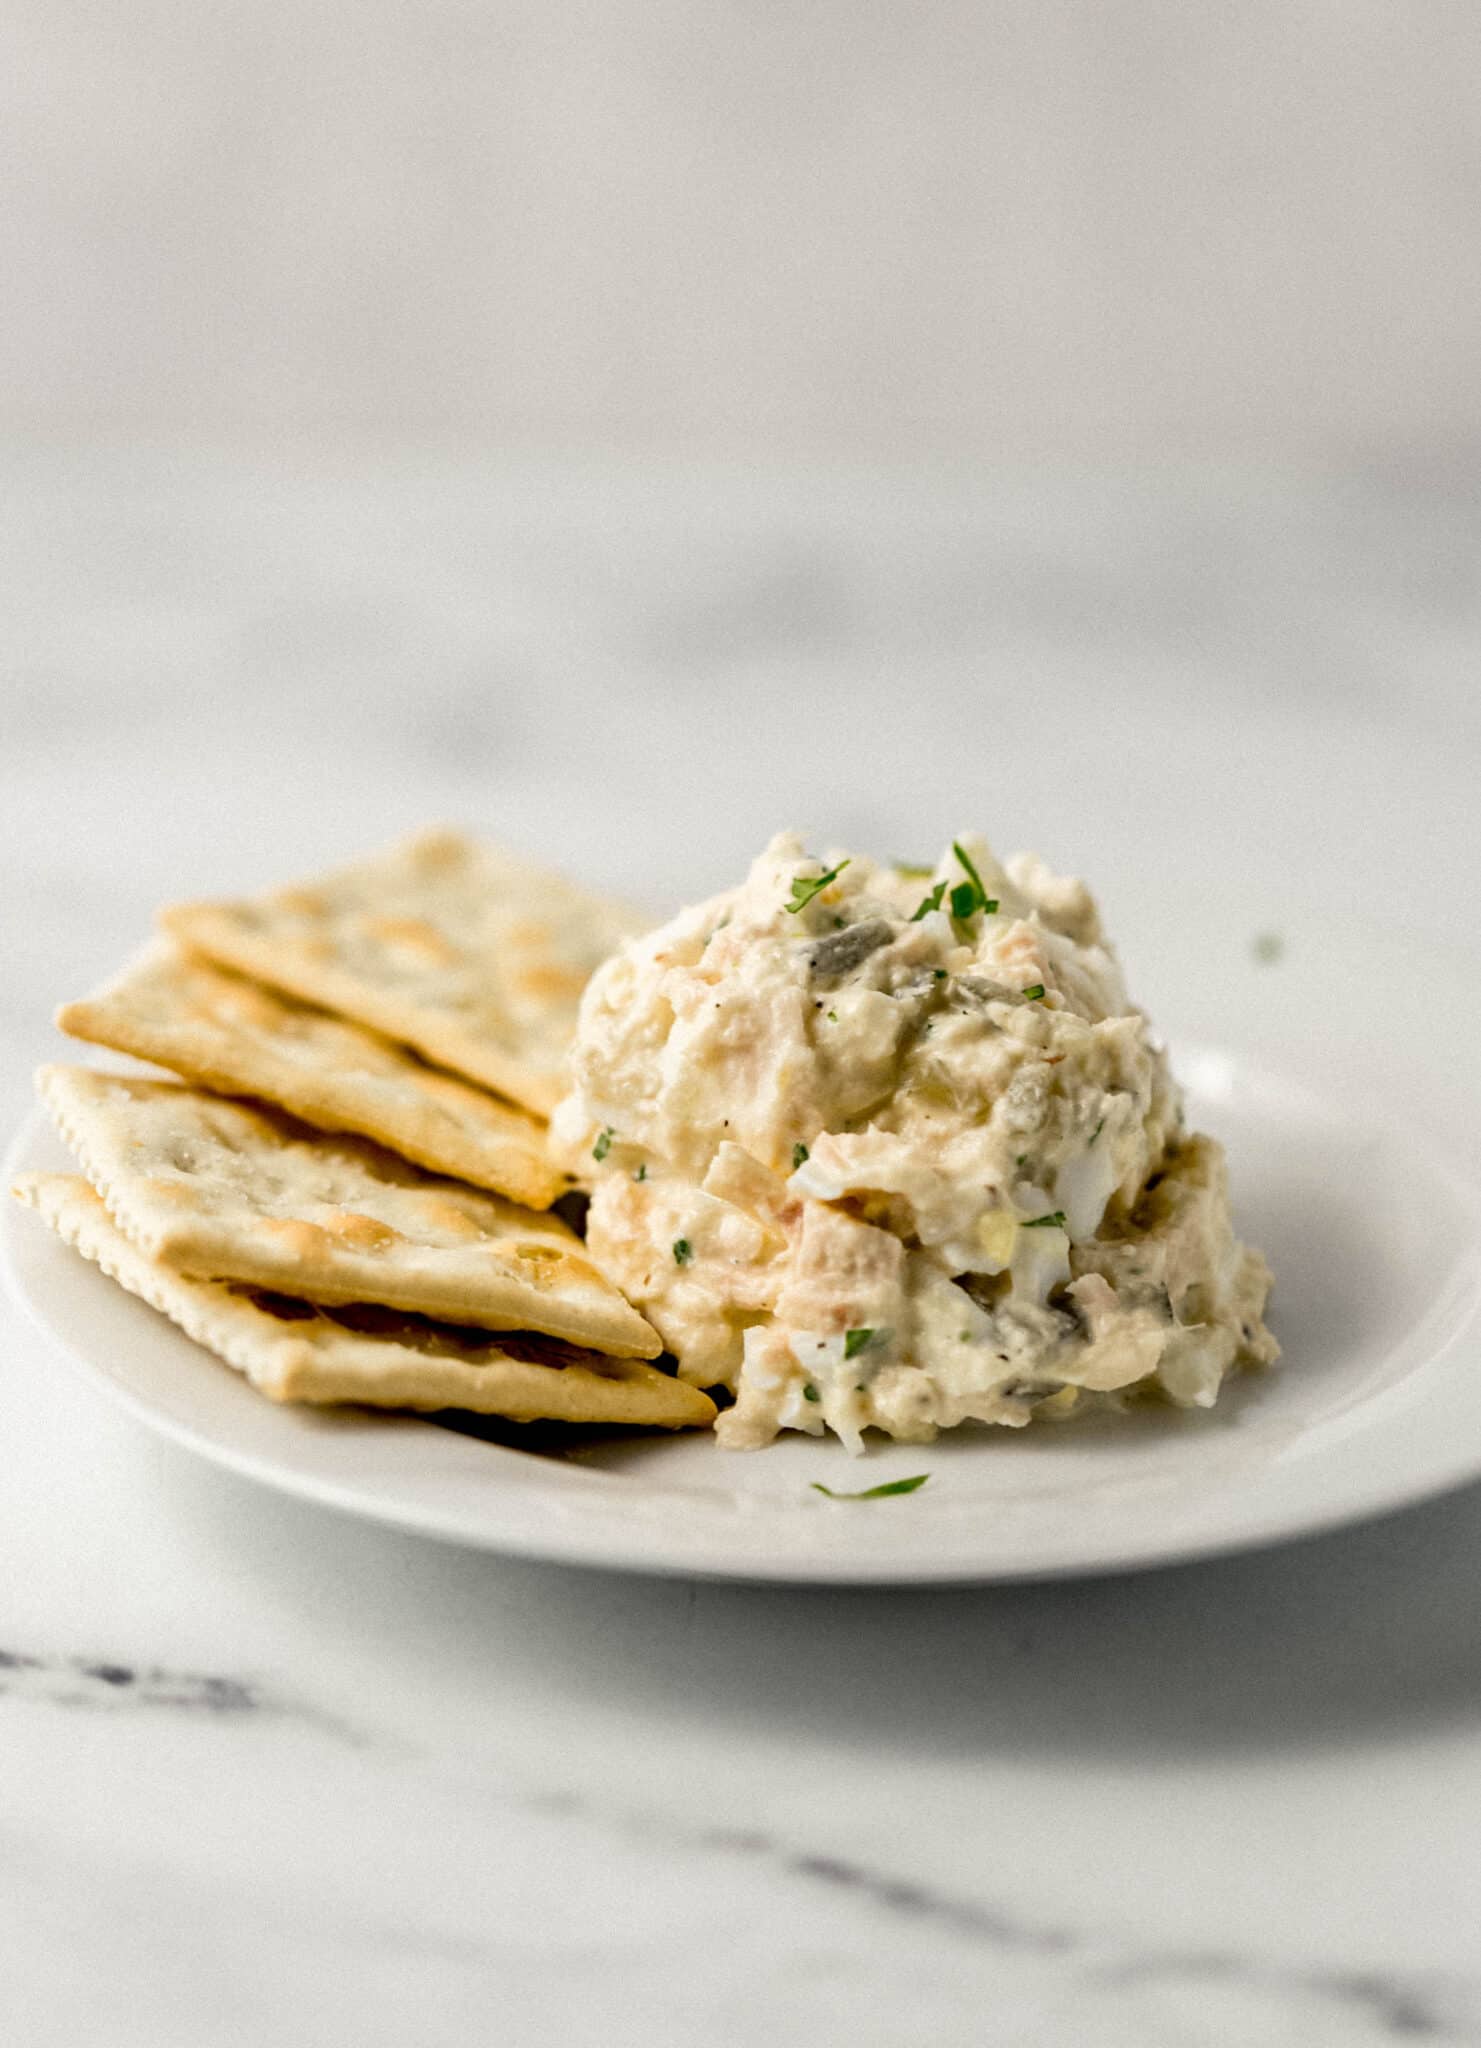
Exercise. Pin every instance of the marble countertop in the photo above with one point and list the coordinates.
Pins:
(271, 1776)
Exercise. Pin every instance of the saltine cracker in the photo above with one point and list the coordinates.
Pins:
(223, 1190)
(452, 946)
(233, 1035)
(293, 1351)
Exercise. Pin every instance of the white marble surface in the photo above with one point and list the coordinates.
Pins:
(270, 1776)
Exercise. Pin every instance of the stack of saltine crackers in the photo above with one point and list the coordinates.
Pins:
(345, 1195)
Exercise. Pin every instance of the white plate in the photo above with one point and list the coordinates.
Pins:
(1374, 1230)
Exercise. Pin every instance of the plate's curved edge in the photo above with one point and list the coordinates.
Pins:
(592, 1544)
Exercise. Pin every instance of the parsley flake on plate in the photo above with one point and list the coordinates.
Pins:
(810, 1392)
(805, 887)
(1053, 1221)
(855, 1341)
(800, 1155)
(603, 1144)
(875, 1492)
(683, 1251)
(1034, 993)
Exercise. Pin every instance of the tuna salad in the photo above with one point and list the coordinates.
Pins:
(880, 1146)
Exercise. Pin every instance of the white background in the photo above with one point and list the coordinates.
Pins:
(1085, 225)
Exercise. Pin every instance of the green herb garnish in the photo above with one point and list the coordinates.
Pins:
(966, 860)
(1034, 993)
(929, 902)
(1097, 1131)
(800, 1155)
(805, 887)
(969, 896)
(1054, 1221)
(875, 1492)
(683, 1251)
(603, 1144)
(913, 871)
(642, 1172)
(810, 1392)
(833, 1016)
(855, 1342)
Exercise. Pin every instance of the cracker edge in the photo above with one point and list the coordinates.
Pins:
(212, 930)
(100, 1019)
(296, 1372)
(194, 1249)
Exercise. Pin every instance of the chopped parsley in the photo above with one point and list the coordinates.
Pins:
(603, 1144)
(875, 1492)
(683, 1251)
(966, 860)
(970, 895)
(913, 870)
(855, 1342)
(810, 1392)
(938, 974)
(1097, 1131)
(929, 902)
(800, 1155)
(1034, 993)
(642, 1172)
(805, 887)
(833, 1016)
(1053, 1221)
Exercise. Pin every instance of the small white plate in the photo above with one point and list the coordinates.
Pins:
(1373, 1226)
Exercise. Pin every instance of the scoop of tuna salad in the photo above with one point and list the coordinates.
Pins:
(885, 1147)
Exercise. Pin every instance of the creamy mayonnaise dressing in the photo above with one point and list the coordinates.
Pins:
(877, 1147)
